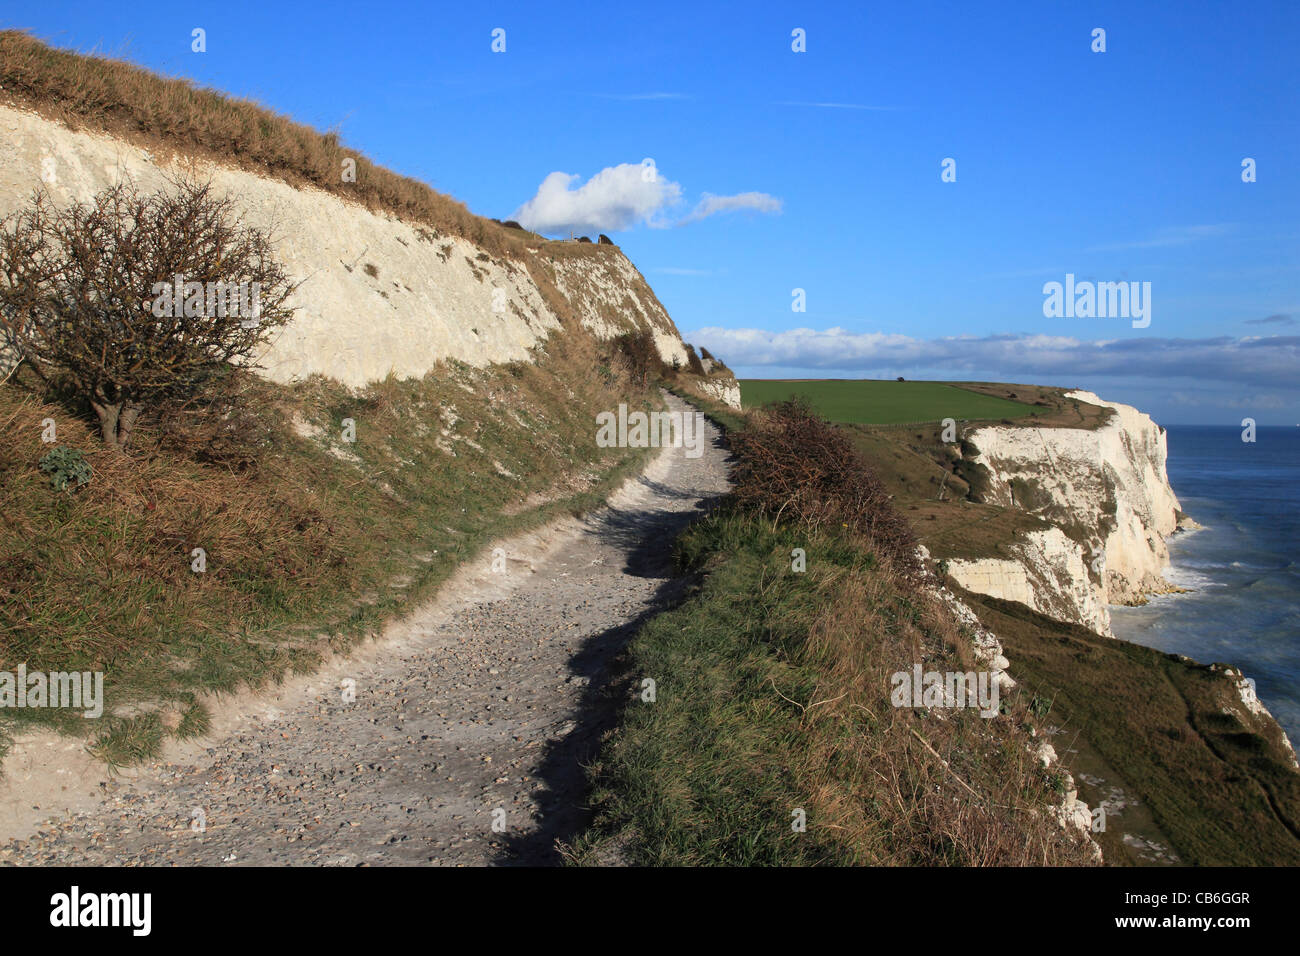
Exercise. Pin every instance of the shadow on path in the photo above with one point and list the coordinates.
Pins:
(645, 538)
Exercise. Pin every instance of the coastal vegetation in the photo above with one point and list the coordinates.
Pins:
(771, 697)
(227, 550)
(771, 737)
(884, 403)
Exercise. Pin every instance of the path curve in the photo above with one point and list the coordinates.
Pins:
(490, 698)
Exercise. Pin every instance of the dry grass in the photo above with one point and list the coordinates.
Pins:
(774, 698)
(793, 464)
(1217, 779)
(900, 787)
(305, 534)
(154, 111)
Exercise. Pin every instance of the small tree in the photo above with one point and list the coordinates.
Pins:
(693, 363)
(137, 300)
(641, 355)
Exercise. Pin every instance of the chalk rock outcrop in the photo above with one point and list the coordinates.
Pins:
(724, 389)
(377, 294)
(1106, 493)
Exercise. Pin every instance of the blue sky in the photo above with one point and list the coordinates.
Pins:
(1115, 166)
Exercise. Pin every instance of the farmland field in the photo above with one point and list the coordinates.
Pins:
(875, 402)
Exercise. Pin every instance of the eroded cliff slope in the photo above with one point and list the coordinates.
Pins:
(1104, 495)
(377, 294)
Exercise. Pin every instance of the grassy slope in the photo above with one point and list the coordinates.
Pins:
(1203, 782)
(883, 402)
(1215, 779)
(710, 771)
(772, 696)
(311, 551)
(935, 485)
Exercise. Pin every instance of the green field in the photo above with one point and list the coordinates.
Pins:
(872, 402)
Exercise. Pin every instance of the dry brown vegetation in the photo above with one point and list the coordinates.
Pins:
(154, 111)
(774, 696)
(79, 296)
(792, 463)
(311, 542)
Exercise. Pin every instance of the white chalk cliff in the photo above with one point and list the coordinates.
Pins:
(1106, 494)
(377, 294)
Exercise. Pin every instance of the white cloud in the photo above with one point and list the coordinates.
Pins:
(711, 205)
(617, 197)
(620, 197)
(1261, 361)
(1173, 236)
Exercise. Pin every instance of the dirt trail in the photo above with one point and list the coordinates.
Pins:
(488, 699)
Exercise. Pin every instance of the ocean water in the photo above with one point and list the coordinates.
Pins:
(1243, 569)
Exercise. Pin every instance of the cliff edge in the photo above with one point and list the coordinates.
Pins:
(1104, 495)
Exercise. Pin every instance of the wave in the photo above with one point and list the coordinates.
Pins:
(1194, 579)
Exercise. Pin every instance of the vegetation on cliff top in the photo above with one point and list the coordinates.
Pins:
(771, 737)
(885, 403)
(153, 111)
(1176, 737)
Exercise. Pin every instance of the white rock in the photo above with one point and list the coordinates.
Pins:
(1111, 482)
(439, 300)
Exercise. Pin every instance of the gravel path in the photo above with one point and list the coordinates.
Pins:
(481, 708)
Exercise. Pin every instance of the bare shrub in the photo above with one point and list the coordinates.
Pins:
(693, 363)
(641, 355)
(793, 464)
(138, 301)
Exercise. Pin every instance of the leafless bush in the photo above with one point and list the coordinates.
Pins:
(793, 464)
(641, 355)
(138, 301)
(693, 363)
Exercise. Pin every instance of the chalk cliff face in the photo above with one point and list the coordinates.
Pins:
(1107, 495)
(377, 294)
(724, 389)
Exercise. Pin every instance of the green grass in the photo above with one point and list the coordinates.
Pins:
(867, 401)
(772, 697)
(309, 552)
(1216, 779)
(772, 705)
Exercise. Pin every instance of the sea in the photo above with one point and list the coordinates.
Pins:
(1242, 570)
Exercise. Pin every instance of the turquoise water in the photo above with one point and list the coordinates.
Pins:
(1243, 568)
